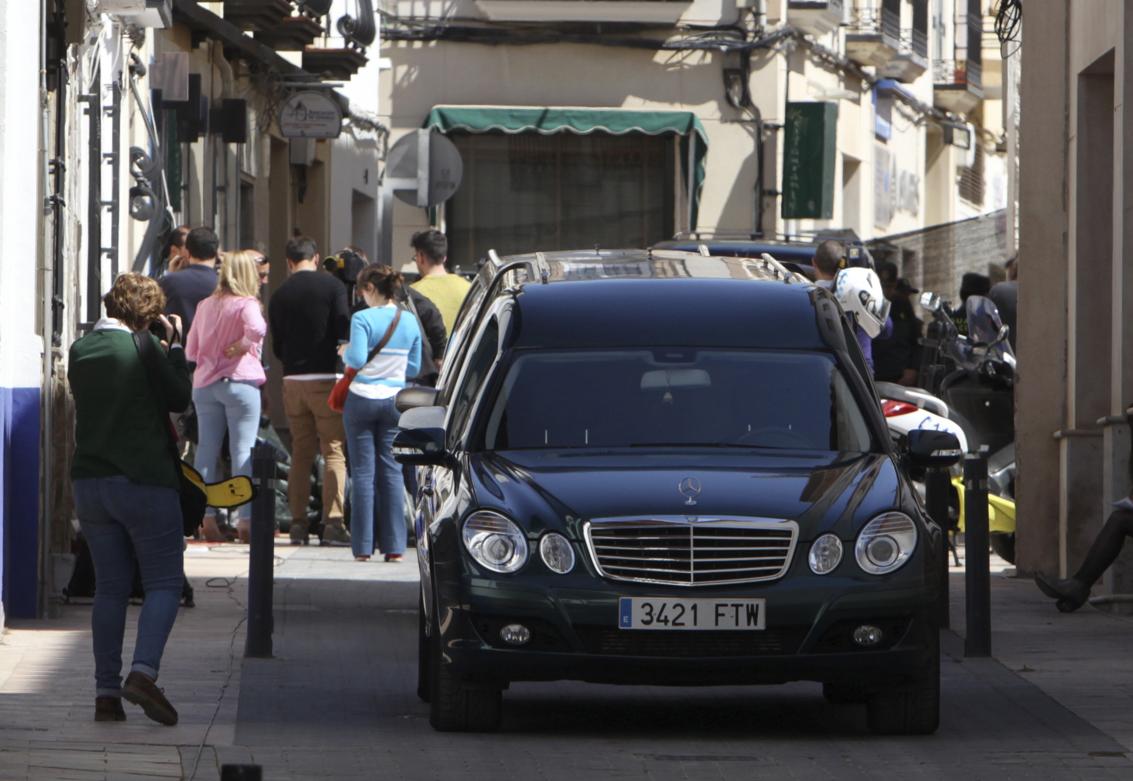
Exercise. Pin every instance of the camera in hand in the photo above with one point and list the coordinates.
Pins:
(157, 328)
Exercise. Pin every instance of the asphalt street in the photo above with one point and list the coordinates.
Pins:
(338, 701)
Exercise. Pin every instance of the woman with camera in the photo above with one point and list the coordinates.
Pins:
(384, 348)
(226, 344)
(126, 481)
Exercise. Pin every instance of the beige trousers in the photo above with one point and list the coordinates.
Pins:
(314, 424)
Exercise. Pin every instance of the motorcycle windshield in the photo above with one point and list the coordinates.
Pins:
(983, 320)
(984, 325)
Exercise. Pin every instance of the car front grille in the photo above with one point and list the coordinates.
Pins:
(618, 642)
(691, 551)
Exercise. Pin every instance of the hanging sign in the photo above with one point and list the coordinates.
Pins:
(310, 114)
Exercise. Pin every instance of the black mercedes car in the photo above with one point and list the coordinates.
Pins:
(657, 467)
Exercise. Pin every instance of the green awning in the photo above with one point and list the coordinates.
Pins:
(480, 119)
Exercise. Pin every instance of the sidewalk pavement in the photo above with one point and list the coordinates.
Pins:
(318, 709)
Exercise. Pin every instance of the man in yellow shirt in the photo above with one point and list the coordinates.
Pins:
(445, 290)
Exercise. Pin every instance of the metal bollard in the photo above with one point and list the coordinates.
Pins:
(937, 490)
(977, 578)
(261, 575)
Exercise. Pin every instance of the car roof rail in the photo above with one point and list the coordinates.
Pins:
(542, 267)
(781, 271)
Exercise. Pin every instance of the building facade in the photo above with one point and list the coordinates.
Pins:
(1076, 290)
(623, 123)
(119, 120)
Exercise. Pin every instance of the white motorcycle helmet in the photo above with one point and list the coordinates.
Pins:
(859, 292)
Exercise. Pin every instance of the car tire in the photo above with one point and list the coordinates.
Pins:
(844, 693)
(424, 692)
(912, 709)
(455, 706)
(1003, 545)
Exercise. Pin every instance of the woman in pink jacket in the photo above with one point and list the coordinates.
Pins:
(226, 344)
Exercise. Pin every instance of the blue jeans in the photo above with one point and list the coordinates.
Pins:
(119, 520)
(371, 425)
(231, 406)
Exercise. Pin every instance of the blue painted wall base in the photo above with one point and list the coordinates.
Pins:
(19, 500)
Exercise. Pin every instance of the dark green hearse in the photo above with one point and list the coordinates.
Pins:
(658, 467)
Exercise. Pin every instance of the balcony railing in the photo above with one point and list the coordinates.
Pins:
(917, 41)
(957, 73)
(664, 12)
(874, 21)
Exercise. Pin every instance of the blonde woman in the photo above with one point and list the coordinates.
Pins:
(226, 343)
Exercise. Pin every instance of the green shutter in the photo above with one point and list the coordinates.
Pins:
(808, 160)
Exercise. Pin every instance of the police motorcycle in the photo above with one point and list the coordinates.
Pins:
(974, 376)
(911, 408)
(859, 292)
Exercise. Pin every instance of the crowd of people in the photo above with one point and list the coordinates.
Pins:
(205, 316)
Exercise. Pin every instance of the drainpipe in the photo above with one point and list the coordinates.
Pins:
(760, 16)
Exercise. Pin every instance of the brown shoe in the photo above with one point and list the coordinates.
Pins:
(143, 692)
(335, 534)
(298, 532)
(108, 709)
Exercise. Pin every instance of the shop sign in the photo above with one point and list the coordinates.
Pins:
(310, 114)
(808, 160)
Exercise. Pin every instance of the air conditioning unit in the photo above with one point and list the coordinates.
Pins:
(144, 13)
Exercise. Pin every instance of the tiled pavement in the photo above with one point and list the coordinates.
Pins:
(337, 700)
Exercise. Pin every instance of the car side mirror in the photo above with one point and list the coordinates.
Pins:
(421, 440)
(417, 396)
(932, 449)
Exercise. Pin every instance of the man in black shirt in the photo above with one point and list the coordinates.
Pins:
(308, 315)
(190, 286)
(896, 357)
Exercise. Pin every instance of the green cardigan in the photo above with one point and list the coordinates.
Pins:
(119, 415)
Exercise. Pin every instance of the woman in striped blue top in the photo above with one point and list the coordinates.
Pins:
(370, 416)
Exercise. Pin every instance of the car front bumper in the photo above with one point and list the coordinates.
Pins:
(575, 634)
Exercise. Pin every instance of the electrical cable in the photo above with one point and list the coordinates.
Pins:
(1008, 26)
(1008, 20)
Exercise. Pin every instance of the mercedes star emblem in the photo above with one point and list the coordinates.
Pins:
(690, 489)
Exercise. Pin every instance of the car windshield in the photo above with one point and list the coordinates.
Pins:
(676, 398)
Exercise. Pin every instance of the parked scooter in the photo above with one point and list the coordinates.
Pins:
(974, 376)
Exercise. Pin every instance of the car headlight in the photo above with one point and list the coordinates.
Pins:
(495, 542)
(886, 543)
(825, 554)
(557, 553)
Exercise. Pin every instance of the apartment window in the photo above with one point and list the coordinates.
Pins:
(972, 179)
(529, 191)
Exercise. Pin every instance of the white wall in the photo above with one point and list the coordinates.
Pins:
(20, 199)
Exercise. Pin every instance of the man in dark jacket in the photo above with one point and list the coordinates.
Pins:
(896, 356)
(307, 316)
(190, 286)
(1005, 296)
